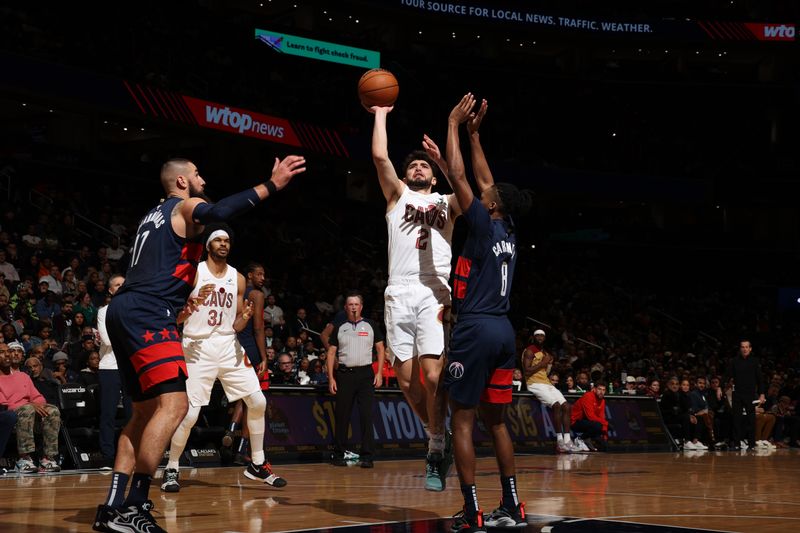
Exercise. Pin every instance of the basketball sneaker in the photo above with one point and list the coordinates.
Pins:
(171, 481)
(433, 467)
(136, 519)
(264, 474)
(25, 465)
(104, 514)
(48, 465)
(462, 524)
(507, 519)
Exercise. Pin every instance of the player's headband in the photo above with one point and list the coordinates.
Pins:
(215, 234)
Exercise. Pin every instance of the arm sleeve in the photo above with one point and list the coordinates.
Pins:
(226, 208)
(101, 325)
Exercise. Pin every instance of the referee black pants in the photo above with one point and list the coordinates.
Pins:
(354, 384)
(744, 425)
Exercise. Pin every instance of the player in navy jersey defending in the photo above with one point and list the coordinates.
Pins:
(142, 326)
(481, 358)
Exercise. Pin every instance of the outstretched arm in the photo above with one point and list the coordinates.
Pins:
(189, 216)
(457, 175)
(432, 149)
(483, 176)
(391, 185)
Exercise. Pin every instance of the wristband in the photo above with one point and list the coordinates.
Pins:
(271, 188)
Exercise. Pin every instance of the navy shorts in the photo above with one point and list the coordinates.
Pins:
(481, 361)
(250, 349)
(147, 345)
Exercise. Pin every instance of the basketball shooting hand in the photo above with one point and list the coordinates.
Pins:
(463, 109)
(332, 386)
(378, 109)
(284, 171)
(475, 119)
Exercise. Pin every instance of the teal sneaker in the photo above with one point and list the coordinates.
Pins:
(433, 478)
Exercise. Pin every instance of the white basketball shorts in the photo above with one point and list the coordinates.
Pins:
(416, 316)
(217, 357)
(547, 394)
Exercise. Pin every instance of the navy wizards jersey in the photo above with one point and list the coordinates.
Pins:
(247, 337)
(482, 281)
(162, 263)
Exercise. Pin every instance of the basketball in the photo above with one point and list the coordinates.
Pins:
(378, 87)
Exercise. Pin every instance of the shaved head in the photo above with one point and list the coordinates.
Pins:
(180, 177)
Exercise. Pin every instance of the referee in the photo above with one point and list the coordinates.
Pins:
(354, 378)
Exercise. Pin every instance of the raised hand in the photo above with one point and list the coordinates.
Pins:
(463, 109)
(284, 171)
(475, 119)
(432, 149)
(247, 309)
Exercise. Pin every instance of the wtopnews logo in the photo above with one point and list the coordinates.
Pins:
(242, 122)
(782, 30)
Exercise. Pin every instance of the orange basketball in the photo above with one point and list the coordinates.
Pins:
(378, 87)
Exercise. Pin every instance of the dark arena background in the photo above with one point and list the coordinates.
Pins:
(660, 139)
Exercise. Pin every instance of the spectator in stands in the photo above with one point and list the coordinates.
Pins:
(4, 292)
(569, 384)
(61, 370)
(303, 367)
(43, 380)
(719, 404)
(641, 386)
(654, 389)
(284, 374)
(589, 418)
(765, 423)
(675, 412)
(70, 286)
(7, 269)
(89, 375)
(300, 323)
(630, 386)
(16, 354)
(116, 251)
(699, 407)
(53, 280)
(269, 338)
(85, 306)
(273, 314)
(98, 293)
(318, 375)
(74, 334)
(787, 424)
(516, 380)
(18, 392)
(47, 308)
(582, 382)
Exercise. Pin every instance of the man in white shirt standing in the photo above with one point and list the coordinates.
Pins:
(110, 382)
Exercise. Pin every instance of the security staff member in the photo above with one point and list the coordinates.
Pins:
(354, 377)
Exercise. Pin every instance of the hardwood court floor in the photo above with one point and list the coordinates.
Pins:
(721, 491)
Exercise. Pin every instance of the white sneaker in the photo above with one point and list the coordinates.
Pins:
(700, 446)
(689, 446)
(743, 445)
(770, 445)
(562, 447)
(580, 445)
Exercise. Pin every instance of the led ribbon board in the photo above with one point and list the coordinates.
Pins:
(320, 50)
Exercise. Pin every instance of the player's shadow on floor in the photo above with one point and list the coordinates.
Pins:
(372, 511)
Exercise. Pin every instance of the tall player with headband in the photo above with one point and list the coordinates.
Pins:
(417, 298)
(142, 326)
(210, 324)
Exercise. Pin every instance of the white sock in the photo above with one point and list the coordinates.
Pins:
(256, 405)
(173, 463)
(567, 438)
(559, 437)
(436, 443)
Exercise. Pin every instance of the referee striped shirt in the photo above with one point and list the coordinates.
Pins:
(355, 340)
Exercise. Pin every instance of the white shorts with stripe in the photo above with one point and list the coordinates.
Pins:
(547, 394)
(217, 357)
(416, 316)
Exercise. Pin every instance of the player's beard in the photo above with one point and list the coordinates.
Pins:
(418, 184)
(197, 193)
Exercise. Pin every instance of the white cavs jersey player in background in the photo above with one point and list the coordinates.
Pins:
(215, 313)
(420, 224)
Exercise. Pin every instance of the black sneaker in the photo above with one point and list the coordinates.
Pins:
(105, 513)
(367, 463)
(338, 461)
(462, 524)
(136, 519)
(507, 519)
(171, 481)
(264, 473)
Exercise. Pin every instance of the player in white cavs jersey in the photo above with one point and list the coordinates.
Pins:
(215, 313)
(420, 224)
